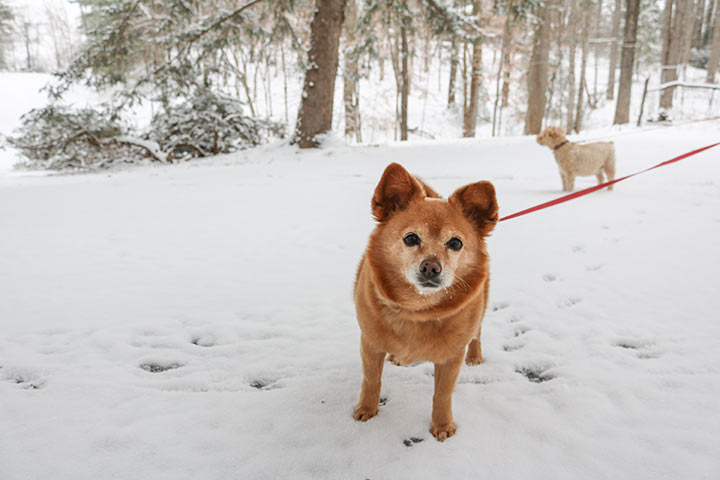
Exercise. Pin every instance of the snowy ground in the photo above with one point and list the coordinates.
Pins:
(196, 321)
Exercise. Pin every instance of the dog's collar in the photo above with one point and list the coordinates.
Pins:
(556, 147)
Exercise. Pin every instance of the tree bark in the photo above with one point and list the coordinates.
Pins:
(316, 109)
(572, 42)
(453, 71)
(712, 64)
(350, 77)
(583, 66)
(405, 83)
(698, 23)
(596, 49)
(507, 37)
(614, 50)
(470, 114)
(674, 21)
(708, 21)
(627, 59)
(537, 74)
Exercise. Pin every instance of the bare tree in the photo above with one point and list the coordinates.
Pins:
(588, 11)
(673, 39)
(503, 69)
(453, 71)
(404, 81)
(28, 34)
(712, 64)
(614, 49)
(470, 112)
(537, 73)
(6, 18)
(572, 41)
(351, 96)
(316, 109)
(60, 29)
(627, 59)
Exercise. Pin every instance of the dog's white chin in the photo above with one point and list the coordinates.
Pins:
(424, 290)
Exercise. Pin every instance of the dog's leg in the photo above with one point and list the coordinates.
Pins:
(609, 168)
(446, 375)
(563, 177)
(372, 361)
(600, 177)
(570, 182)
(474, 351)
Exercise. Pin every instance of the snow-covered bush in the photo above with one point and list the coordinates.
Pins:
(59, 137)
(209, 123)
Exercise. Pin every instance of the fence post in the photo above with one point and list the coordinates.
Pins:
(642, 102)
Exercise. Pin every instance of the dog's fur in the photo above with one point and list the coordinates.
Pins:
(579, 160)
(412, 322)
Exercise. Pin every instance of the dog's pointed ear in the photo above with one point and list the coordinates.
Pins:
(397, 188)
(478, 203)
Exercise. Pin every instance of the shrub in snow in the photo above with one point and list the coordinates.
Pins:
(58, 137)
(209, 123)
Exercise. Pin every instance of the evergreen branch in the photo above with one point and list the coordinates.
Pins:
(194, 38)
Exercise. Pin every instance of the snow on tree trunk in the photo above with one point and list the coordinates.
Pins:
(316, 108)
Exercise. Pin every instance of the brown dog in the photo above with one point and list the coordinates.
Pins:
(422, 286)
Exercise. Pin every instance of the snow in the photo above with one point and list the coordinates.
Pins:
(196, 320)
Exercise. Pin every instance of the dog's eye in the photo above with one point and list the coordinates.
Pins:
(454, 244)
(411, 240)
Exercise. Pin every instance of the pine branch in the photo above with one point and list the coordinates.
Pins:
(189, 43)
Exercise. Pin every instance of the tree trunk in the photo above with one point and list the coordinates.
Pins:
(537, 74)
(673, 42)
(506, 80)
(698, 23)
(707, 31)
(405, 86)
(285, 83)
(453, 72)
(596, 49)
(583, 65)
(572, 41)
(627, 59)
(350, 77)
(316, 109)
(470, 114)
(686, 33)
(507, 37)
(614, 49)
(712, 64)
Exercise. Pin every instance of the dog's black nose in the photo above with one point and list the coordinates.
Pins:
(430, 269)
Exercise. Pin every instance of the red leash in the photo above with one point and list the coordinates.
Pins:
(586, 191)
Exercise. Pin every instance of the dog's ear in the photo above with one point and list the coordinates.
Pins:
(478, 203)
(556, 131)
(397, 188)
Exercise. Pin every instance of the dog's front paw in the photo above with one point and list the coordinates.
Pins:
(444, 431)
(363, 413)
(392, 359)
